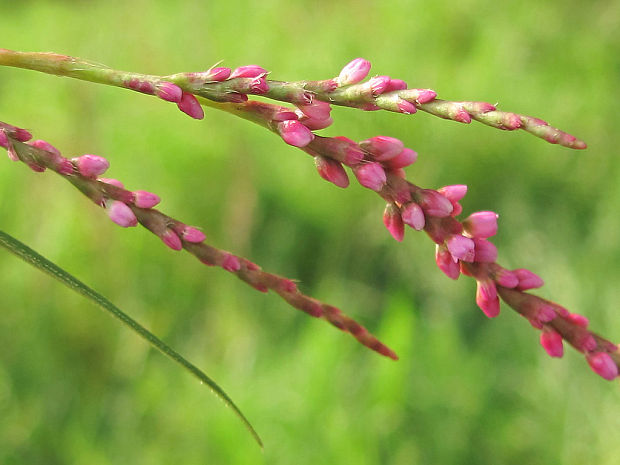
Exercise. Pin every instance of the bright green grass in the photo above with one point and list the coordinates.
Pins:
(76, 387)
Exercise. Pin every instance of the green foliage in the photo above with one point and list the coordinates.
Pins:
(466, 390)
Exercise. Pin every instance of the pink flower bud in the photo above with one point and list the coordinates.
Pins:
(295, 133)
(425, 95)
(169, 92)
(394, 222)
(248, 71)
(236, 97)
(578, 319)
(331, 171)
(506, 278)
(22, 135)
(382, 148)
(11, 153)
(444, 261)
(405, 158)
(396, 84)
(551, 341)
(217, 74)
(259, 86)
(485, 251)
(461, 247)
(435, 204)
(486, 298)
(190, 106)
(231, 263)
(527, 279)
(378, 84)
(316, 124)
(603, 365)
(113, 182)
(413, 216)
(64, 166)
(91, 166)
(406, 107)
(353, 72)
(317, 110)
(121, 214)
(585, 342)
(481, 224)
(170, 238)
(36, 167)
(44, 145)
(144, 199)
(194, 235)
(453, 193)
(461, 116)
(280, 116)
(370, 175)
(545, 313)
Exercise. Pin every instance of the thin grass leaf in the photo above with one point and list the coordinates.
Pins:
(28, 255)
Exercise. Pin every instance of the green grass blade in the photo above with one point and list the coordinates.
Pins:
(27, 254)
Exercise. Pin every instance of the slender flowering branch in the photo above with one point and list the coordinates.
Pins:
(219, 84)
(127, 209)
(462, 247)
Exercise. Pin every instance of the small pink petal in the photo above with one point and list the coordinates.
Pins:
(382, 148)
(170, 238)
(190, 106)
(394, 222)
(248, 71)
(318, 109)
(91, 166)
(546, 313)
(121, 214)
(217, 74)
(4, 141)
(396, 84)
(413, 216)
(113, 182)
(551, 341)
(485, 251)
(44, 145)
(486, 298)
(461, 247)
(354, 72)
(331, 171)
(603, 365)
(444, 261)
(194, 235)
(295, 133)
(378, 84)
(370, 175)
(231, 263)
(527, 279)
(169, 92)
(406, 107)
(316, 124)
(453, 193)
(435, 204)
(578, 320)
(144, 199)
(405, 158)
(506, 278)
(481, 224)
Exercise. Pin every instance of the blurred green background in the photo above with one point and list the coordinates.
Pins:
(76, 387)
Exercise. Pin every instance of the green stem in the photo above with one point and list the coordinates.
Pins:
(30, 256)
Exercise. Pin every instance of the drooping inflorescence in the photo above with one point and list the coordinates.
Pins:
(128, 208)
(462, 247)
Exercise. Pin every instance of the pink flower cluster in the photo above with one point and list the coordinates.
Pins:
(462, 247)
